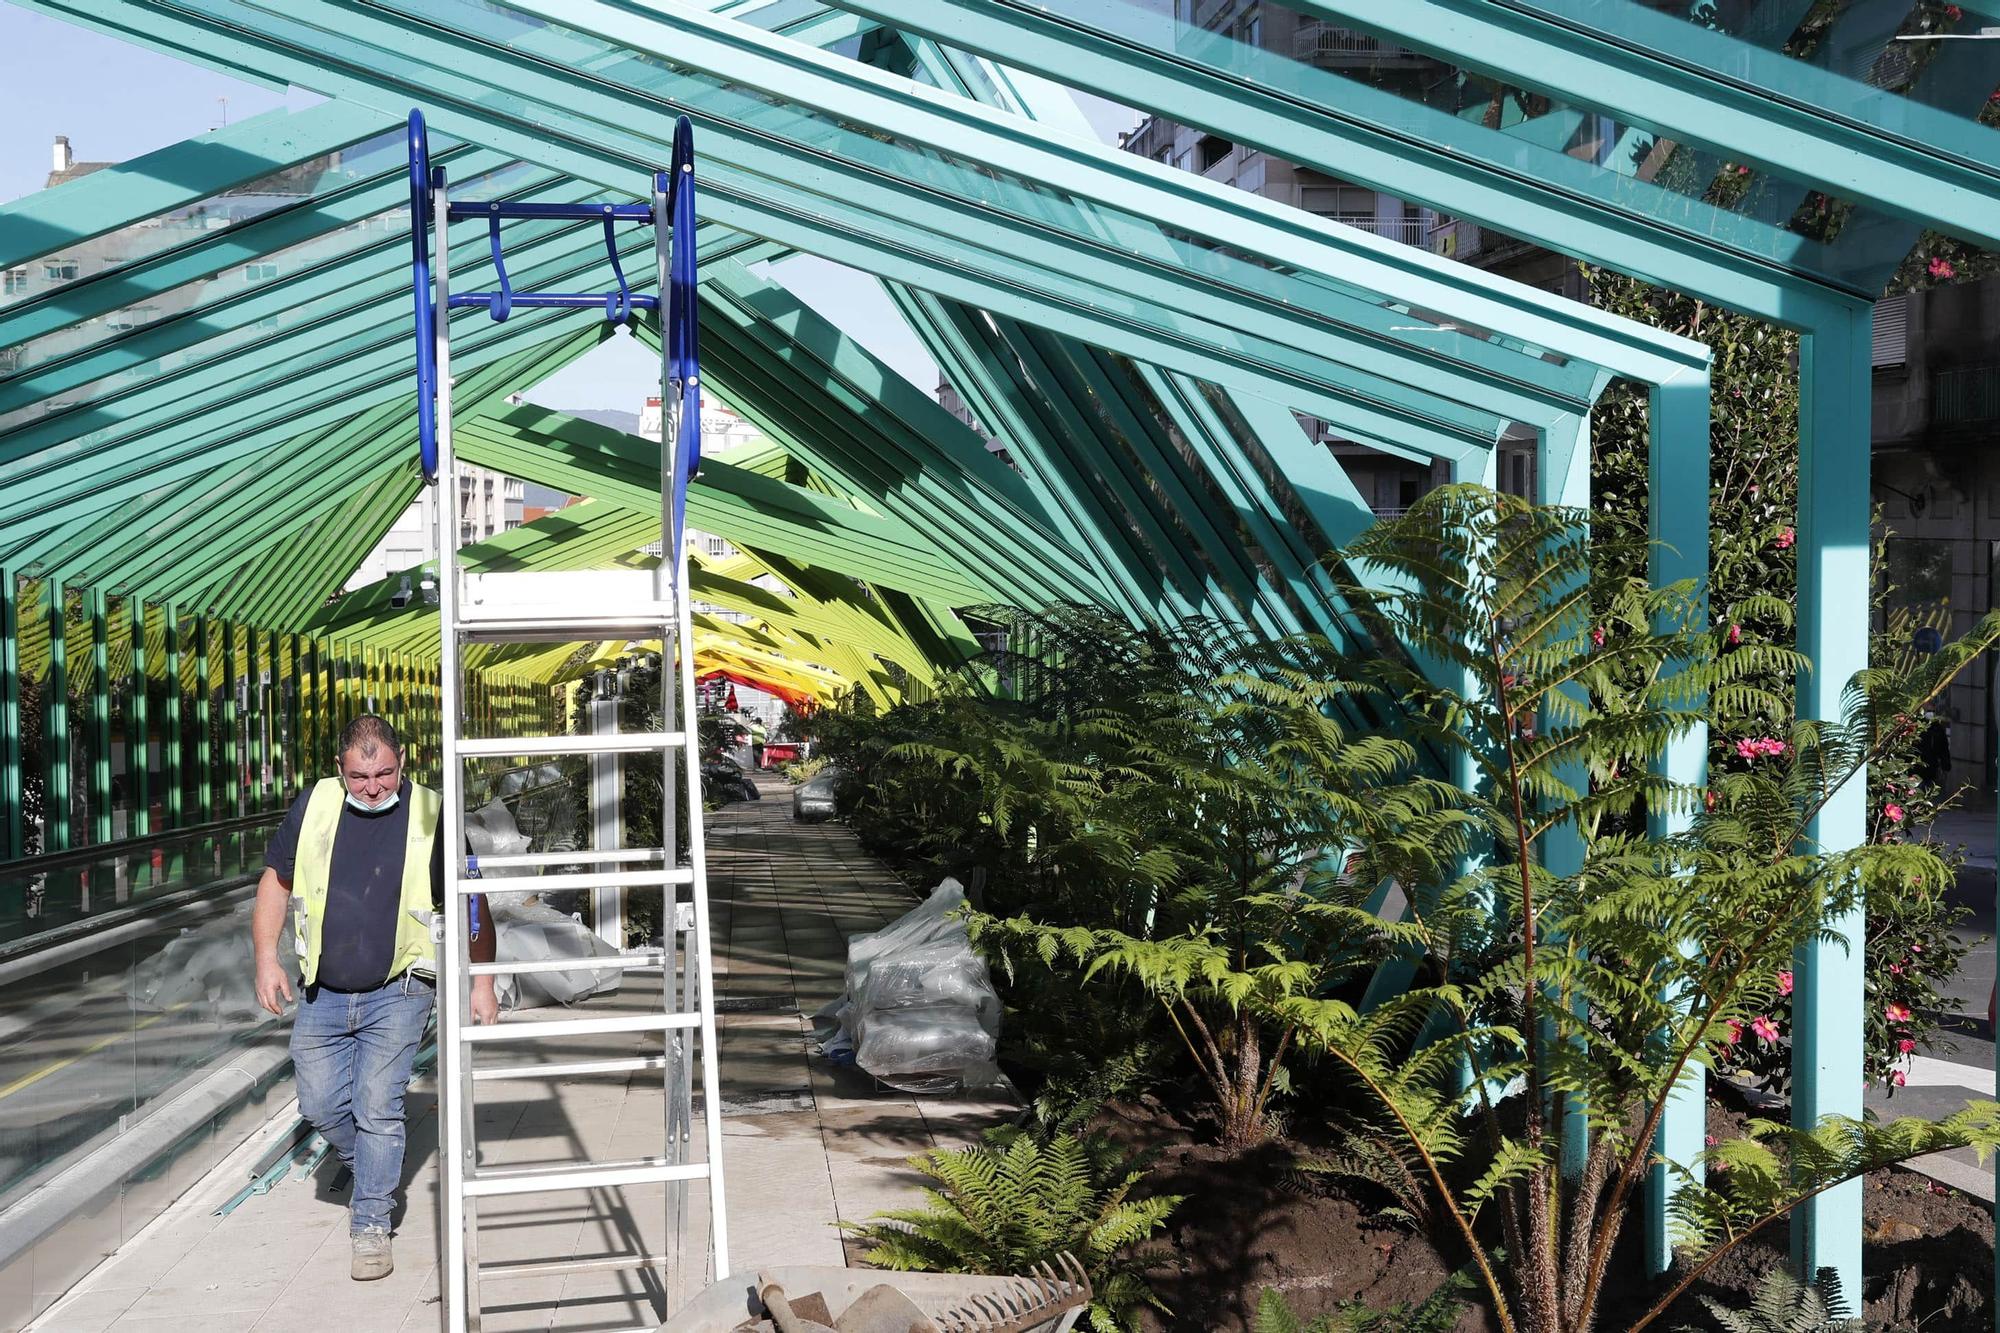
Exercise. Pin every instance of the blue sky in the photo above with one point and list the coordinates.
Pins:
(117, 101)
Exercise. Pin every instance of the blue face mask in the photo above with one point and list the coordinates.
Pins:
(388, 802)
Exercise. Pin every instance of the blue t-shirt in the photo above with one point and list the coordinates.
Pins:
(364, 888)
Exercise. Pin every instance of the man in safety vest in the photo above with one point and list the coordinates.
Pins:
(357, 864)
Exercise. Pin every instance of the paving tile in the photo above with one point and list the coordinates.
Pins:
(92, 1311)
(804, 1143)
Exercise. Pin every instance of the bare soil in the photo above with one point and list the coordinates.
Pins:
(1250, 1222)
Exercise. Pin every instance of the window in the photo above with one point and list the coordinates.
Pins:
(131, 317)
(16, 281)
(259, 272)
(1210, 151)
(1890, 341)
(1250, 28)
(1351, 204)
(715, 546)
(60, 270)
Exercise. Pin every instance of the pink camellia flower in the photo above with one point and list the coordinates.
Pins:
(1899, 1078)
(1954, 13)
(1893, 812)
(1906, 1045)
(1785, 982)
(1785, 539)
(1896, 1013)
(1755, 489)
(1597, 637)
(1734, 1032)
(1942, 267)
(1709, 1139)
(1895, 969)
(1766, 1030)
(1759, 747)
(1708, 799)
(1736, 634)
(1916, 948)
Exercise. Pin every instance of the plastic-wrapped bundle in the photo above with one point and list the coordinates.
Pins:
(491, 831)
(531, 934)
(919, 1012)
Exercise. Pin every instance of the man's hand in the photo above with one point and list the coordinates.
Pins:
(274, 988)
(485, 1004)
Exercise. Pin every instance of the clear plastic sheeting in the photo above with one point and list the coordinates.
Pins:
(919, 1012)
(533, 933)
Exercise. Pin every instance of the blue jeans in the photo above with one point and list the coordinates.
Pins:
(353, 1052)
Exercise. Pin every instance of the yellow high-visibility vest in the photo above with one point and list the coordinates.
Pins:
(313, 866)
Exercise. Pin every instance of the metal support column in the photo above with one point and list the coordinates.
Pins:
(56, 812)
(138, 727)
(607, 813)
(101, 826)
(1835, 386)
(204, 718)
(1677, 519)
(231, 770)
(13, 829)
(172, 738)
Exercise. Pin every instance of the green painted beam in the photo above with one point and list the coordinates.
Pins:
(178, 175)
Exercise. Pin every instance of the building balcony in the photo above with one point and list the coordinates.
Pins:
(1325, 44)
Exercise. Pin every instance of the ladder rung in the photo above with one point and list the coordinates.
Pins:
(601, 879)
(648, 620)
(609, 1263)
(650, 1171)
(628, 742)
(646, 958)
(617, 855)
(516, 208)
(631, 1064)
(579, 1027)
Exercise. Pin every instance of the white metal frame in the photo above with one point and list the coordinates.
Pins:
(687, 992)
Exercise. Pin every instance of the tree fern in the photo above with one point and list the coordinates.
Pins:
(1020, 1199)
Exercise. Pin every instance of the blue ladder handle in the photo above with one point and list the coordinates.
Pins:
(420, 286)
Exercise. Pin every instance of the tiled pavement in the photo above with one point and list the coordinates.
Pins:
(804, 1145)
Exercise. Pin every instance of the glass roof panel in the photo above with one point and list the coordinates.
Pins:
(200, 220)
(1515, 128)
(239, 280)
(944, 186)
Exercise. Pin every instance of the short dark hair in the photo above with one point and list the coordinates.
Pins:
(368, 732)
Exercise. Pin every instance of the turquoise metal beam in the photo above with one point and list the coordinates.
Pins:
(1835, 386)
(1677, 532)
(1562, 477)
(1143, 189)
(1674, 77)
(853, 420)
(1377, 138)
(181, 174)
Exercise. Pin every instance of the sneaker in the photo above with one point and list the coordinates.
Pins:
(371, 1255)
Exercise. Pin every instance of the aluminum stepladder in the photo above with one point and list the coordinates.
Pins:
(588, 606)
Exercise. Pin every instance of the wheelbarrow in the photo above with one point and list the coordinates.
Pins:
(821, 1299)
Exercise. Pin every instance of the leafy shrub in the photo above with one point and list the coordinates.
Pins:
(1022, 1198)
(801, 769)
(1784, 1305)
